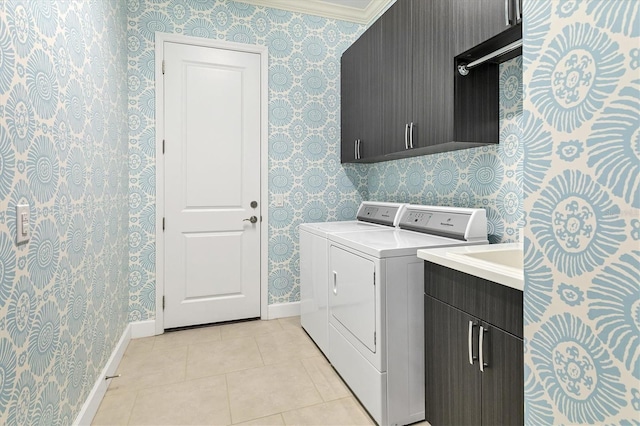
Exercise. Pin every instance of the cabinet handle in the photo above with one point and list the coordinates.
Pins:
(507, 20)
(355, 149)
(335, 283)
(411, 135)
(359, 143)
(518, 12)
(482, 362)
(406, 136)
(471, 357)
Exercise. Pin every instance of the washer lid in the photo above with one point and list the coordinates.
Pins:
(392, 242)
(324, 228)
(371, 215)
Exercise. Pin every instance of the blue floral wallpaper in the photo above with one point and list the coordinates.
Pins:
(489, 177)
(581, 186)
(63, 150)
(304, 128)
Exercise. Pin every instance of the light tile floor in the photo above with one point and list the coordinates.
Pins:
(253, 373)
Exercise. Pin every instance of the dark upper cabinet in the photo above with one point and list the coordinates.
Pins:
(397, 82)
(477, 92)
(361, 94)
(417, 84)
(350, 110)
(458, 309)
(398, 94)
(475, 21)
(432, 102)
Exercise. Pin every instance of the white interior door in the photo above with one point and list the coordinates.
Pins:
(212, 176)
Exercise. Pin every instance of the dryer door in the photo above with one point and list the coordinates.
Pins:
(352, 295)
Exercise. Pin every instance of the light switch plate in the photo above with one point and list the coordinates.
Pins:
(278, 200)
(23, 224)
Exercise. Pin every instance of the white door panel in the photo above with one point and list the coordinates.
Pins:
(212, 253)
(352, 295)
(215, 109)
(212, 174)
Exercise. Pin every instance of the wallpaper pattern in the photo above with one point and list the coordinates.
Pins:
(63, 150)
(582, 194)
(304, 132)
(489, 177)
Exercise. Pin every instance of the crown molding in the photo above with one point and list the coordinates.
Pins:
(327, 10)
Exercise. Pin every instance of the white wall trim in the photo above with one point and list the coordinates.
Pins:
(159, 87)
(160, 39)
(264, 181)
(91, 405)
(282, 310)
(143, 329)
(328, 10)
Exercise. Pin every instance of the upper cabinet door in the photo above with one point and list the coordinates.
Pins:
(361, 103)
(475, 21)
(396, 65)
(350, 114)
(370, 98)
(433, 73)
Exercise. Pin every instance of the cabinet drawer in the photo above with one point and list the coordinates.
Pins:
(494, 303)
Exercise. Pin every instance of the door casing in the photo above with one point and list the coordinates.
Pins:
(160, 39)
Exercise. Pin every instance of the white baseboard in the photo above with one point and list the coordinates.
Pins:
(91, 405)
(282, 310)
(143, 329)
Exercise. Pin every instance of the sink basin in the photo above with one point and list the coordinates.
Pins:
(500, 263)
(509, 258)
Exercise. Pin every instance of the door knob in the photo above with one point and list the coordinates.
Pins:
(252, 219)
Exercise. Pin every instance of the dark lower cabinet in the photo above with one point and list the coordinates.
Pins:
(503, 379)
(452, 385)
(458, 390)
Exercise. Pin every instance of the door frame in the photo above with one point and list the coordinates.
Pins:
(160, 39)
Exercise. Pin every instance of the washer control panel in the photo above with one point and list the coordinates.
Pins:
(417, 218)
(451, 224)
(382, 213)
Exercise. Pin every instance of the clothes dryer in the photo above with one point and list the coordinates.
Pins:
(314, 262)
(376, 314)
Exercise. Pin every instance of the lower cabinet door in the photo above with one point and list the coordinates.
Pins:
(452, 384)
(502, 379)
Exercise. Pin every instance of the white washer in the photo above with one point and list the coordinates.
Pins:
(376, 314)
(314, 263)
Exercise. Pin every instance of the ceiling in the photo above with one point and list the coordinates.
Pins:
(359, 11)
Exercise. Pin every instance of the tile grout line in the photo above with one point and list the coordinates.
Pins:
(259, 351)
(226, 383)
(362, 411)
(135, 399)
(312, 381)
(280, 329)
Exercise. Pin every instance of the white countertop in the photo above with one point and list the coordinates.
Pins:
(501, 263)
